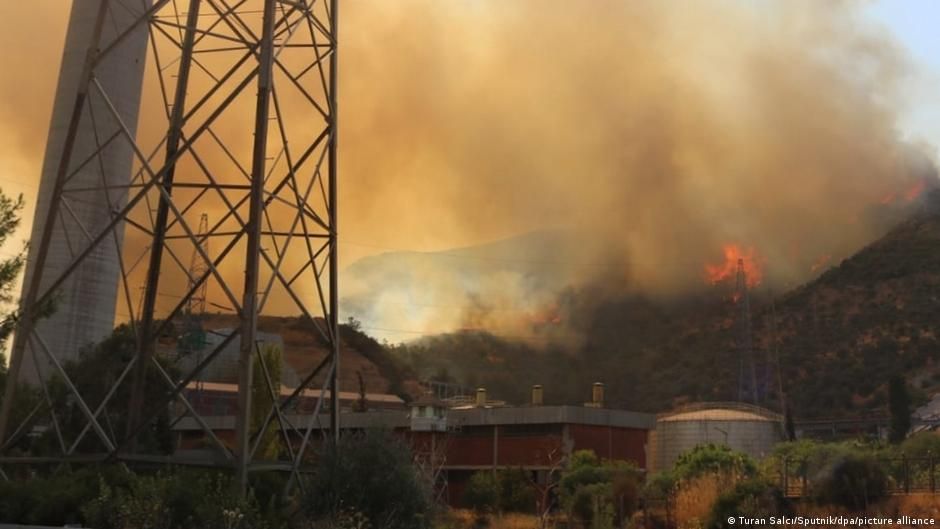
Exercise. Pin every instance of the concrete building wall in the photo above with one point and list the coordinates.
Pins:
(86, 302)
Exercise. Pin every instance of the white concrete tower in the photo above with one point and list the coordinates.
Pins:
(87, 299)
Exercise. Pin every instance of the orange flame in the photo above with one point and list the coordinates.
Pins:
(908, 195)
(729, 268)
(915, 191)
(547, 316)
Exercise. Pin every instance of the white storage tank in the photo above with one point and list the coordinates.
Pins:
(742, 427)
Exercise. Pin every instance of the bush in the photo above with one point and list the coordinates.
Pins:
(713, 459)
(659, 485)
(922, 445)
(593, 490)
(173, 499)
(505, 490)
(515, 491)
(371, 474)
(482, 493)
(111, 497)
(854, 481)
(753, 498)
(54, 500)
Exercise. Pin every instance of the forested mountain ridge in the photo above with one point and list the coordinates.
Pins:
(830, 345)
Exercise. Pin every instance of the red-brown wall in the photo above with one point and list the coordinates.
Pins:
(627, 444)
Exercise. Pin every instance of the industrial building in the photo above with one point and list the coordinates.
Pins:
(480, 435)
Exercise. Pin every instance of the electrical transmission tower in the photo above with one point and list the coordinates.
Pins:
(748, 389)
(192, 338)
(198, 268)
(238, 117)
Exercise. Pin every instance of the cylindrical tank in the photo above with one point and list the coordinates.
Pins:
(742, 427)
(85, 308)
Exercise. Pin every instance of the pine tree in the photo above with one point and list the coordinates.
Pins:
(899, 404)
(10, 268)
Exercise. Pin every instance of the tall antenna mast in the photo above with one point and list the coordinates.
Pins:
(747, 370)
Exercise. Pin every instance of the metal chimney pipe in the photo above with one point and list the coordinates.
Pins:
(537, 395)
(597, 394)
(481, 397)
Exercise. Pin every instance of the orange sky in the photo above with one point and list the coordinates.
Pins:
(664, 133)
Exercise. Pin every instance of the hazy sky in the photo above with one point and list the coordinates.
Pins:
(28, 90)
(915, 23)
(467, 121)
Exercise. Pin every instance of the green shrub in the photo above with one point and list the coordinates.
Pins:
(659, 485)
(753, 498)
(854, 481)
(173, 499)
(505, 490)
(922, 445)
(54, 500)
(515, 491)
(713, 459)
(482, 492)
(599, 492)
(369, 473)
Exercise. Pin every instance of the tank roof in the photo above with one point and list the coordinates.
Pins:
(720, 411)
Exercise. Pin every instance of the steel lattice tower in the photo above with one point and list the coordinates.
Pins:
(748, 388)
(238, 116)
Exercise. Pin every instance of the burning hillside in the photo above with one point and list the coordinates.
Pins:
(839, 339)
(736, 257)
(646, 151)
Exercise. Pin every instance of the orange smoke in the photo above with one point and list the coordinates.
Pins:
(728, 269)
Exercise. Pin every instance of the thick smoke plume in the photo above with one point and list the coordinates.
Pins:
(654, 134)
(643, 137)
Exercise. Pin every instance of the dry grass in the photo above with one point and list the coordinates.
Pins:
(464, 519)
(695, 498)
(917, 505)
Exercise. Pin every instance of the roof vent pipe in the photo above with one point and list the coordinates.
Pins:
(597, 395)
(537, 395)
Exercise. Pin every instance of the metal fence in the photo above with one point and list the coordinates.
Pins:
(905, 475)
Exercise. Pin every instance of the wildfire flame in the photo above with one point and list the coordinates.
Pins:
(909, 195)
(547, 316)
(728, 269)
(915, 191)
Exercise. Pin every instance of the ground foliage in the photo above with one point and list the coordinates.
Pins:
(368, 476)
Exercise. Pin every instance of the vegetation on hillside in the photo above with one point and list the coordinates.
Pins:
(838, 340)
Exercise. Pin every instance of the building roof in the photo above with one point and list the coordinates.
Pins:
(220, 387)
(470, 417)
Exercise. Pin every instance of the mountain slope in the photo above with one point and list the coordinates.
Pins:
(838, 338)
